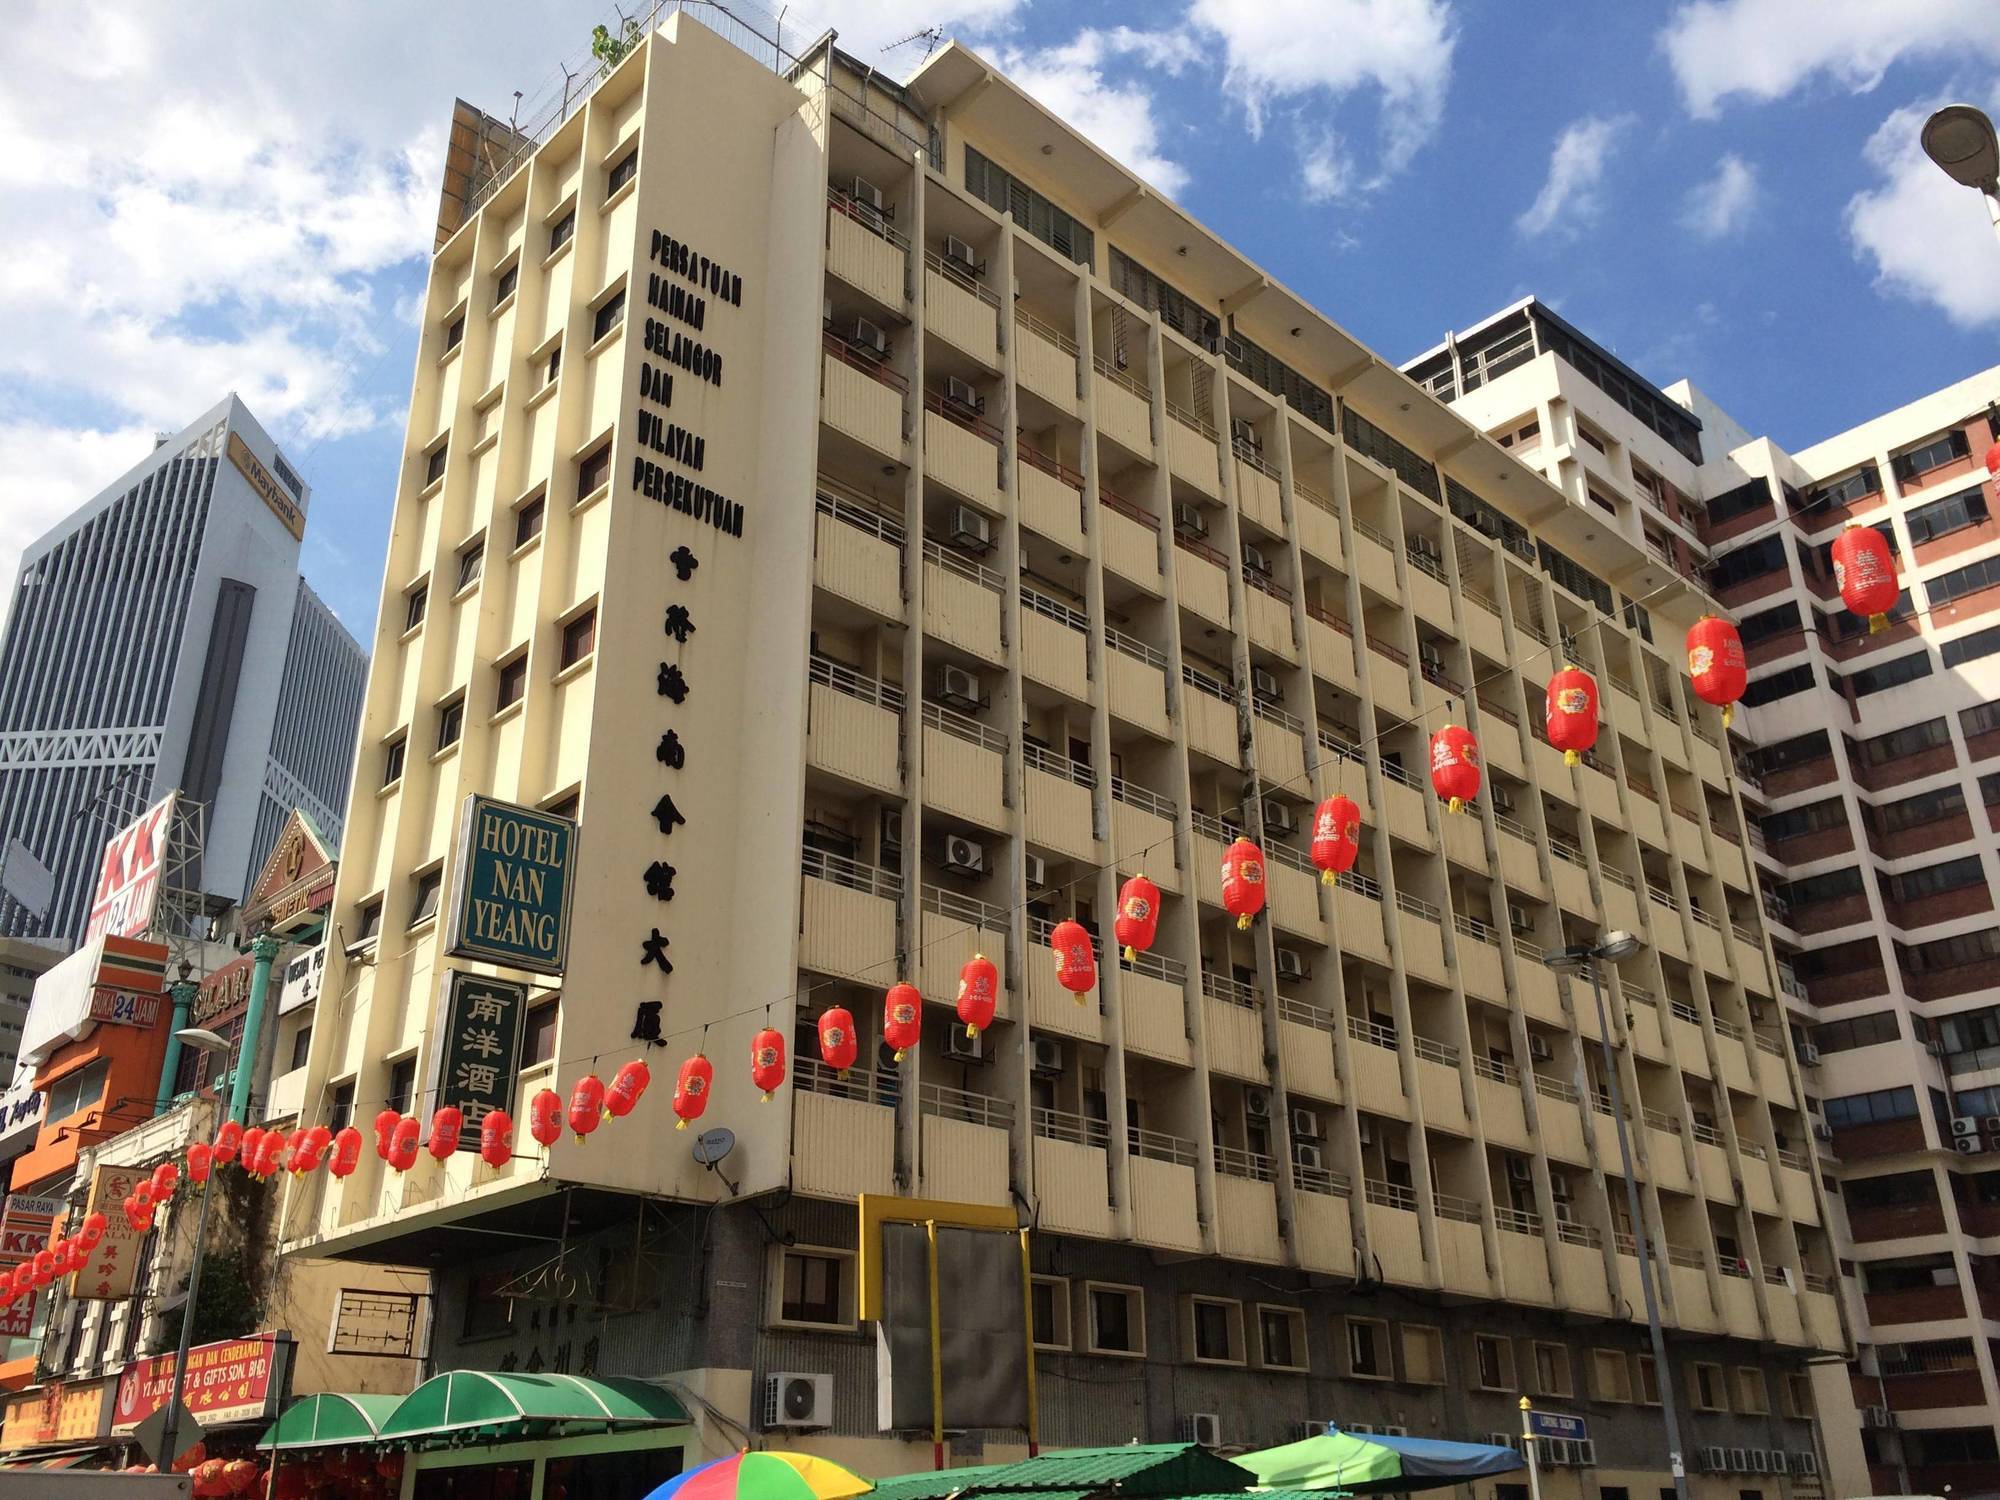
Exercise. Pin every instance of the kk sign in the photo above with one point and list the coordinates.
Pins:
(511, 893)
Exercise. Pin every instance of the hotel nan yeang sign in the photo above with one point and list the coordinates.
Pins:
(510, 894)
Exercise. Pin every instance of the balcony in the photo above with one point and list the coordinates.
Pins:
(1357, 911)
(962, 603)
(854, 726)
(1318, 522)
(1389, 682)
(1201, 579)
(1524, 1257)
(1051, 497)
(1418, 925)
(858, 555)
(1461, 1241)
(1258, 493)
(1051, 1007)
(1440, 1087)
(1208, 708)
(961, 311)
(1917, 1304)
(965, 767)
(843, 1131)
(1580, 1261)
(1394, 1239)
(1059, 813)
(1268, 610)
(1498, 1088)
(862, 397)
(1322, 1223)
(1331, 645)
(1558, 1118)
(1479, 965)
(1138, 682)
(964, 1144)
(962, 452)
(1054, 644)
(1131, 542)
(1191, 450)
(952, 928)
(1235, 1026)
(1045, 362)
(1305, 1050)
(1246, 1206)
(1142, 832)
(847, 917)
(1430, 595)
(1374, 556)
(1072, 1174)
(1280, 741)
(1378, 1068)
(1294, 891)
(1152, 1007)
(863, 251)
(1160, 1172)
(1124, 408)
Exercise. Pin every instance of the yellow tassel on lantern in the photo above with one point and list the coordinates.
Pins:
(1243, 924)
(765, 1100)
(1131, 955)
(680, 1124)
(1458, 804)
(1571, 758)
(972, 1031)
(1329, 877)
(1728, 714)
(899, 1058)
(1877, 624)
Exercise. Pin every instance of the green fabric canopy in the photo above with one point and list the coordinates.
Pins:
(514, 1405)
(327, 1420)
(1137, 1471)
(1334, 1458)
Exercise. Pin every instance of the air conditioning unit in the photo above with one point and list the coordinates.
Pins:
(1760, 1461)
(1968, 1145)
(1809, 1055)
(1305, 1125)
(1278, 816)
(1035, 870)
(1559, 1188)
(1308, 1429)
(1779, 1463)
(971, 528)
(1805, 1464)
(956, 250)
(792, 1399)
(1264, 685)
(1232, 350)
(962, 1048)
(1255, 560)
(1539, 1049)
(866, 194)
(960, 393)
(1584, 1451)
(1188, 519)
(1739, 1461)
(1519, 1169)
(1962, 1125)
(1990, 1124)
(868, 336)
(1423, 546)
(1430, 659)
(964, 856)
(1203, 1427)
(892, 828)
(1822, 1131)
(956, 686)
(1519, 920)
(1554, 1452)
(1877, 1416)
(1393, 1430)
(1244, 431)
(1292, 964)
(1308, 1157)
(1048, 1057)
(1366, 1429)
(1505, 1440)
(1257, 1104)
(1503, 800)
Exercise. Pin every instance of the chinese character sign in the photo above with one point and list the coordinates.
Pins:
(233, 1381)
(511, 890)
(108, 1277)
(481, 1050)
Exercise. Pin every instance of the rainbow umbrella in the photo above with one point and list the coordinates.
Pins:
(765, 1476)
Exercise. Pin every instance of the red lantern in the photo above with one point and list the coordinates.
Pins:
(94, 1225)
(767, 1061)
(272, 1153)
(318, 1141)
(496, 1138)
(1336, 837)
(238, 1475)
(1864, 570)
(1716, 665)
(691, 1090)
(1571, 713)
(22, 1282)
(1243, 882)
(253, 1147)
(166, 1177)
(628, 1084)
(545, 1117)
(201, 1161)
(586, 1105)
(902, 1018)
(346, 1152)
(1993, 459)
(837, 1045)
(446, 1126)
(1076, 958)
(385, 1132)
(60, 1254)
(1138, 916)
(142, 1194)
(44, 1265)
(228, 1141)
(978, 993)
(1455, 765)
(403, 1143)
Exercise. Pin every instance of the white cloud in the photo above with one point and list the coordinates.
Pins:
(1927, 238)
(1325, 171)
(1569, 197)
(1118, 117)
(1290, 50)
(46, 469)
(1765, 49)
(1721, 205)
(895, 35)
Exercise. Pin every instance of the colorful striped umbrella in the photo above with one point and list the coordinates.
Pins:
(765, 1476)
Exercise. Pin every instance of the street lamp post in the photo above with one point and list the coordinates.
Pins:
(1961, 140)
(202, 1041)
(1614, 948)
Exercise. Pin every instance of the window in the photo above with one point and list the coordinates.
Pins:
(1906, 668)
(1753, 560)
(1798, 1394)
(392, 758)
(1945, 448)
(1215, 1331)
(503, 288)
(301, 1045)
(528, 520)
(609, 316)
(1898, 744)
(593, 471)
(1778, 685)
(426, 905)
(998, 188)
(1800, 750)
(513, 674)
(291, 481)
(1705, 1388)
(1798, 822)
(1981, 718)
(451, 722)
(78, 1090)
(489, 1313)
(1551, 1370)
(624, 172)
(1117, 1319)
(402, 1084)
(1746, 497)
(1870, 1109)
(1281, 1337)
(1368, 1349)
(1942, 517)
(471, 562)
(561, 231)
(565, 807)
(1833, 885)
(1935, 880)
(1915, 812)
(813, 1287)
(368, 920)
(1870, 1030)
(1423, 1354)
(1971, 647)
(434, 463)
(1649, 1381)
(415, 602)
(538, 1034)
(1590, 435)
(1757, 628)
(579, 639)
(455, 335)
(1959, 582)
(1941, 954)
(1610, 1375)
(1863, 482)
(1751, 1395)
(340, 1108)
(554, 367)
(1493, 1360)
(1048, 1296)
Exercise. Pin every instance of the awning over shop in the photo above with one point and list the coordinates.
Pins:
(1136, 1471)
(329, 1420)
(59, 1459)
(1375, 1464)
(520, 1406)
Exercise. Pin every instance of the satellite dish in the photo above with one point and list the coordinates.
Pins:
(711, 1146)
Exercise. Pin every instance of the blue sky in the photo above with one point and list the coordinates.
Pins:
(1728, 190)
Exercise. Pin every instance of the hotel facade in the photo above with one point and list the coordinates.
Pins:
(886, 524)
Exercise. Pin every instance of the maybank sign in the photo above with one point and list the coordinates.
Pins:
(510, 897)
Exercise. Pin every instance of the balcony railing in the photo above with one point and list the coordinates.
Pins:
(1119, 378)
(1458, 1210)
(1301, 1013)
(1432, 1050)
(960, 727)
(1045, 332)
(1034, 458)
(1474, 928)
(1135, 648)
(1154, 1145)
(851, 873)
(968, 909)
(1062, 1125)
(961, 278)
(1253, 1165)
(960, 416)
(1373, 1032)
(1555, 1088)
(1659, 1119)
(1585, 1235)
(1211, 827)
(970, 569)
(1189, 420)
(1321, 1180)
(1517, 1221)
(861, 517)
(1121, 506)
(948, 1103)
(1385, 1194)
(1202, 682)
(858, 1083)
(874, 368)
(829, 673)
(1146, 800)
(1686, 1257)
(1232, 991)
(1495, 1069)
(1156, 966)
(1060, 766)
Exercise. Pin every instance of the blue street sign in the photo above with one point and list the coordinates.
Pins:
(1556, 1424)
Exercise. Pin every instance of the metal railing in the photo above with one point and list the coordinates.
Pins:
(1119, 505)
(1201, 682)
(948, 1103)
(1361, 884)
(1372, 1032)
(1119, 378)
(1517, 1221)
(1432, 1050)
(1300, 1013)
(1231, 991)
(1555, 1088)
(1767, 1044)
(969, 909)
(1062, 1125)
(1684, 1010)
(843, 679)
(839, 870)
(1208, 826)
(864, 518)
(1051, 764)
(1323, 1180)
(961, 278)
(1314, 497)
(965, 419)
(1418, 907)
(1458, 1210)
(1686, 1257)
(838, 348)
(1045, 332)
(1659, 1119)
(958, 563)
(1528, 948)
(812, 1076)
(1290, 858)
(1385, 1194)
(1728, 1028)
(1374, 534)
(1146, 800)
(1474, 928)
(1584, 1235)
(1055, 468)
(1495, 1069)
(1156, 966)
(1253, 1165)
(1705, 1133)
(1189, 420)
(1155, 1145)
(960, 727)
(1135, 648)
(1266, 585)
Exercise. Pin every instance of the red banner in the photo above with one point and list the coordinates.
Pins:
(232, 1381)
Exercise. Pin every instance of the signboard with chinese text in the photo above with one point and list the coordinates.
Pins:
(303, 978)
(58, 1413)
(238, 1380)
(128, 881)
(296, 883)
(480, 1054)
(109, 1274)
(510, 893)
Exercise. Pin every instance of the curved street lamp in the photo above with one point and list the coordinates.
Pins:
(1961, 140)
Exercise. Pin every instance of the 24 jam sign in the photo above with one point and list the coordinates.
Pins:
(510, 896)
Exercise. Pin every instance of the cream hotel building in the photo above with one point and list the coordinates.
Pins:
(1034, 537)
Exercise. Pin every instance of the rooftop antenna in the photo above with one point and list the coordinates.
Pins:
(930, 36)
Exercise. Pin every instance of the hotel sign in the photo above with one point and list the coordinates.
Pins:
(272, 493)
(482, 1025)
(511, 889)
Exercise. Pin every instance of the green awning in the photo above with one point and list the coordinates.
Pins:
(1137, 1471)
(513, 1405)
(328, 1420)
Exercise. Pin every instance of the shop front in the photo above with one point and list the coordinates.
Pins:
(57, 1426)
(232, 1388)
